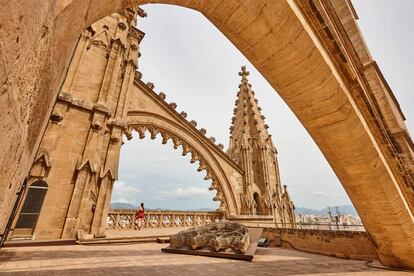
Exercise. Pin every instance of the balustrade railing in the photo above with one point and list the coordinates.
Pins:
(330, 226)
(126, 218)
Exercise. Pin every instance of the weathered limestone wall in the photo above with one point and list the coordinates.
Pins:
(78, 155)
(34, 53)
(101, 99)
(342, 244)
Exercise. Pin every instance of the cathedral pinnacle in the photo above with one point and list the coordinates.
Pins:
(244, 73)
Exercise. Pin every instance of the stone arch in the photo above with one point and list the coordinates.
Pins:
(329, 91)
(154, 124)
(33, 202)
(313, 54)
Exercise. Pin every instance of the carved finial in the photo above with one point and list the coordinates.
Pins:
(203, 131)
(138, 75)
(173, 105)
(221, 146)
(162, 95)
(150, 85)
(212, 139)
(193, 123)
(183, 114)
(141, 12)
(244, 73)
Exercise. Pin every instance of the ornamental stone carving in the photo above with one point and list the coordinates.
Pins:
(162, 95)
(56, 117)
(193, 123)
(219, 236)
(123, 103)
(150, 85)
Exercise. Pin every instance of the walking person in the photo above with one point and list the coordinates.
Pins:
(140, 215)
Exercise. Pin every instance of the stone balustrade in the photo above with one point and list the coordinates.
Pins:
(331, 226)
(126, 218)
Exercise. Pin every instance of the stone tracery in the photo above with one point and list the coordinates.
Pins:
(178, 141)
(306, 77)
(111, 109)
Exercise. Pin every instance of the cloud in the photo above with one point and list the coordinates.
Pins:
(322, 195)
(125, 193)
(122, 200)
(183, 193)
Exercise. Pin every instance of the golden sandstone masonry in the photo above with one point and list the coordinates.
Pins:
(103, 98)
(311, 51)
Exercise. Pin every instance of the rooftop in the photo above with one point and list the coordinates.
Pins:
(147, 259)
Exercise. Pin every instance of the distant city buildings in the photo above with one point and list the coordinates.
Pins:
(330, 222)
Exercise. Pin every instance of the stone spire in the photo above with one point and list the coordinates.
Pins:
(248, 124)
(252, 148)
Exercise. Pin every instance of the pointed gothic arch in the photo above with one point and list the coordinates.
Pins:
(30, 211)
(206, 161)
(313, 52)
(209, 156)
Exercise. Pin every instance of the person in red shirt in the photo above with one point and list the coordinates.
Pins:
(140, 215)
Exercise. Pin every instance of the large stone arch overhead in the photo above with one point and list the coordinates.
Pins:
(318, 74)
(314, 69)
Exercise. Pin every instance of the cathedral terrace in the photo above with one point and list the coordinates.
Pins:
(63, 126)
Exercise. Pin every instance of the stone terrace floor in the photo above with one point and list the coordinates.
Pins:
(145, 232)
(147, 259)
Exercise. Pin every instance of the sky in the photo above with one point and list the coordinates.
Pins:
(186, 57)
